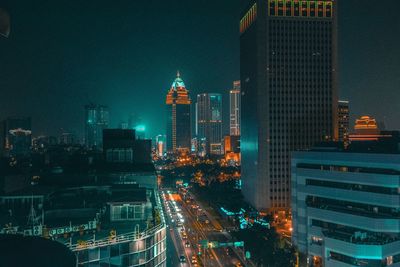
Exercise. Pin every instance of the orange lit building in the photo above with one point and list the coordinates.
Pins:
(232, 148)
(365, 129)
(178, 111)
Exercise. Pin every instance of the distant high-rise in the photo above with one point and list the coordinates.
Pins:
(209, 122)
(15, 136)
(366, 129)
(178, 122)
(161, 145)
(67, 139)
(288, 73)
(234, 109)
(344, 120)
(96, 120)
(135, 122)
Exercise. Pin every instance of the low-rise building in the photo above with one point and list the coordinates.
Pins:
(107, 219)
(346, 205)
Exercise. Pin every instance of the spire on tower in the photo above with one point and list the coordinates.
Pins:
(178, 74)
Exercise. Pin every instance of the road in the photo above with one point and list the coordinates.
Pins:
(223, 236)
(189, 223)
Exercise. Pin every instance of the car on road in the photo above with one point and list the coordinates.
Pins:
(194, 259)
(182, 258)
(184, 235)
(187, 244)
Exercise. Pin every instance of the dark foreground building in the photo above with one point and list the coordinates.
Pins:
(288, 72)
(21, 251)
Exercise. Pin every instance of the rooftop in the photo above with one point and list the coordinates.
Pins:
(388, 142)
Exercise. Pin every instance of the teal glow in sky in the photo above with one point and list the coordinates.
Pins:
(63, 54)
(140, 128)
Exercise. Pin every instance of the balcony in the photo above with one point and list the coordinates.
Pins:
(361, 238)
(362, 251)
(370, 224)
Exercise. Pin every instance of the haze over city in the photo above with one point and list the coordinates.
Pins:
(244, 133)
(61, 55)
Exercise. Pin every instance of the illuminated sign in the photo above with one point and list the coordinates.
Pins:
(91, 225)
(297, 8)
(248, 19)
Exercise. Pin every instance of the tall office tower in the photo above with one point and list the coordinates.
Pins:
(97, 119)
(288, 73)
(234, 109)
(16, 136)
(344, 120)
(209, 122)
(179, 132)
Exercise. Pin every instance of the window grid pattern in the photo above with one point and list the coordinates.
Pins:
(300, 92)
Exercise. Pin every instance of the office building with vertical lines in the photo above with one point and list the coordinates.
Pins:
(209, 123)
(234, 109)
(288, 73)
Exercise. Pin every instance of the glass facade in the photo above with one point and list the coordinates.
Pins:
(209, 121)
(96, 120)
(234, 109)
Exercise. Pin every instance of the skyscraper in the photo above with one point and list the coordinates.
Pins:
(178, 122)
(209, 122)
(344, 120)
(96, 120)
(160, 145)
(15, 136)
(234, 109)
(288, 72)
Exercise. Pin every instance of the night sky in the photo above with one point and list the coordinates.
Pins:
(125, 54)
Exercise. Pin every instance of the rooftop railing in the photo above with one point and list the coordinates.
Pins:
(122, 238)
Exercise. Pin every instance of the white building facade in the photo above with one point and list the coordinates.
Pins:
(346, 208)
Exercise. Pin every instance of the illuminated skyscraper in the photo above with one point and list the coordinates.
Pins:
(234, 109)
(178, 122)
(209, 122)
(96, 120)
(344, 120)
(288, 73)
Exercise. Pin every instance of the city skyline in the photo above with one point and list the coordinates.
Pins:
(200, 133)
(116, 80)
